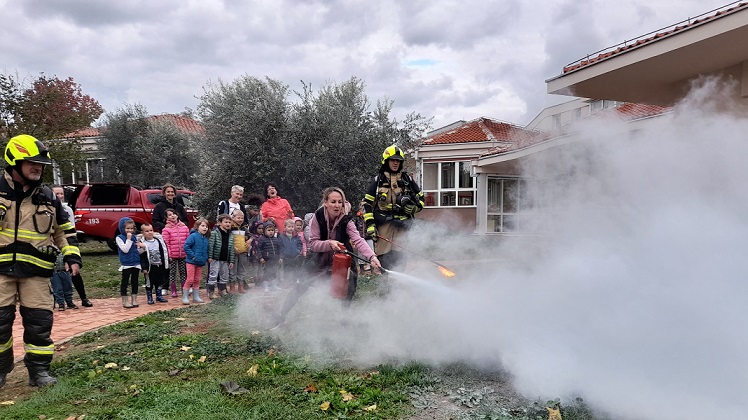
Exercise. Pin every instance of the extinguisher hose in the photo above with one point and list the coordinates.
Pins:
(345, 251)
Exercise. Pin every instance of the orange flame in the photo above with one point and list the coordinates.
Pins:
(446, 272)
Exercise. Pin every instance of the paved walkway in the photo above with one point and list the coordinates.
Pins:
(74, 322)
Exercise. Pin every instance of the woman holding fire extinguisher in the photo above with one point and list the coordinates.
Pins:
(332, 231)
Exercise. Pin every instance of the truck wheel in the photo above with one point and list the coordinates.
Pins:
(112, 244)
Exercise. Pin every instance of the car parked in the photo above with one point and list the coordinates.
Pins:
(98, 207)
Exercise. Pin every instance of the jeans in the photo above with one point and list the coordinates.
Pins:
(62, 287)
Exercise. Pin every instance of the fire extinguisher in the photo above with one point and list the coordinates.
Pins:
(341, 263)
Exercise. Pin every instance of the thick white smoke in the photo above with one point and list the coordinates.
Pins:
(634, 296)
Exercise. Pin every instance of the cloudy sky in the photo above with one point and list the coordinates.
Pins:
(445, 59)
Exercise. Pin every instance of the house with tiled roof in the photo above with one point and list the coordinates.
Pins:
(472, 171)
(88, 138)
(658, 68)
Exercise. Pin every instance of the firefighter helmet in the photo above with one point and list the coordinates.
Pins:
(393, 152)
(25, 147)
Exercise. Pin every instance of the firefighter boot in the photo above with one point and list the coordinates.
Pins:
(149, 296)
(160, 296)
(7, 316)
(125, 302)
(134, 298)
(196, 295)
(185, 297)
(37, 326)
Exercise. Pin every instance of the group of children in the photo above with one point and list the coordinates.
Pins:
(235, 251)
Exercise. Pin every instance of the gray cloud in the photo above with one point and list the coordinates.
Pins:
(447, 59)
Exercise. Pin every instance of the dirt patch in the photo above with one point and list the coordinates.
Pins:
(460, 392)
(199, 328)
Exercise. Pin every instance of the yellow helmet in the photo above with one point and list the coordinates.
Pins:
(393, 152)
(24, 147)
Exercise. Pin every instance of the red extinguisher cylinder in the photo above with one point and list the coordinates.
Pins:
(341, 263)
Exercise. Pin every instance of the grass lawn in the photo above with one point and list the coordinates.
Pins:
(171, 365)
(100, 270)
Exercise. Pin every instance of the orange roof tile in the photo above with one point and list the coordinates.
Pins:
(651, 37)
(628, 111)
(187, 125)
(482, 130)
(83, 132)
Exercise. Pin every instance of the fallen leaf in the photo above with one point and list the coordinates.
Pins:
(371, 407)
(166, 322)
(553, 413)
(271, 352)
(133, 386)
(202, 359)
(125, 368)
(111, 365)
(192, 356)
(96, 362)
(42, 417)
(232, 388)
(132, 353)
(255, 333)
(252, 372)
(72, 418)
(99, 371)
(100, 347)
(140, 324)
(185, 348)
(324, 406)
(180, 319)
(9, 402)
(137, 392)
(310, 389)
(347, 396)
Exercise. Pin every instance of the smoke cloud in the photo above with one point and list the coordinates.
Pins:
(632, 295)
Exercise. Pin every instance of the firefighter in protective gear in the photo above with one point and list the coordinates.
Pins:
(33, 231)
(390, 204)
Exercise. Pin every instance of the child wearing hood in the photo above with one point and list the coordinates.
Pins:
(129, 259)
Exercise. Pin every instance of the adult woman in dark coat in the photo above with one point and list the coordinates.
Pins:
(168, 202)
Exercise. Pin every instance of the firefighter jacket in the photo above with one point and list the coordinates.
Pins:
(391, 197)
(34, 229)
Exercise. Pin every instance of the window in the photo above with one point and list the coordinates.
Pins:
(510, 201)
(448, 184)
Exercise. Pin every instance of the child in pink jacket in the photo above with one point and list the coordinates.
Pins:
(175, 234)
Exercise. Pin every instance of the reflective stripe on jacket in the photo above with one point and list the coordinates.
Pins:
(34, 229)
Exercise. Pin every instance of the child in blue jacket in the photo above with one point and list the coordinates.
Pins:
(196, 248)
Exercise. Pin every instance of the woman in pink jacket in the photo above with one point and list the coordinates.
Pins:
(175, 234)
(275, 209)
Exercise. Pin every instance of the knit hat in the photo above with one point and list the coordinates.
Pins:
(268, 224)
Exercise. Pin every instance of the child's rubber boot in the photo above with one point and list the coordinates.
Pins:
(149, 296)
(196, 296)
(231, 288)
(125, 302)
(221, 290)
(160, 296)
(185, 297)
(242, 290)
(135, 300)
(211, 291)
(174, 290)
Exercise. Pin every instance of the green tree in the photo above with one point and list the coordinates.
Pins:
(246, 129)
(48, 108)
(145, 152)
(330, 137)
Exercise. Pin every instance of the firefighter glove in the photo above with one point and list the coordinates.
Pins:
(411, 209)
